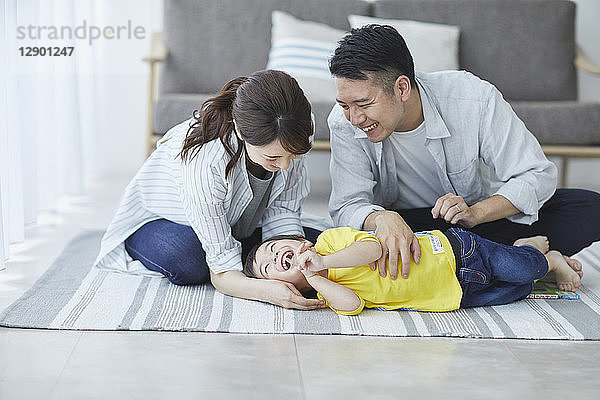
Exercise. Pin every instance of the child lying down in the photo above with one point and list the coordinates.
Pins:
(457, 269)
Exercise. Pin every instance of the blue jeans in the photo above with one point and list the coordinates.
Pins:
(570, 219)
(492, 273)
(175, 251)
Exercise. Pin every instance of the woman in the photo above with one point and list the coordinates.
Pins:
(214, 186)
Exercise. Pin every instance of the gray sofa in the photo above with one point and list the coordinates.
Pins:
(207, 42)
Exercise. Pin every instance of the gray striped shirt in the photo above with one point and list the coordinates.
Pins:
(197, 193)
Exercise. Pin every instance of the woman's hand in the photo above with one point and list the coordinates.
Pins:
(286, 295)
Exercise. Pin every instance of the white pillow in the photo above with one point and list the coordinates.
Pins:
(302, 49)
(434, 47)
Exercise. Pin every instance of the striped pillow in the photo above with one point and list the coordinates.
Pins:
(302, 49)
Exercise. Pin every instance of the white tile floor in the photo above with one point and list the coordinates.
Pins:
(42, 364)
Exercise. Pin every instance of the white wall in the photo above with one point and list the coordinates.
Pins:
(583, 173)
(118, 82)
(588, 36)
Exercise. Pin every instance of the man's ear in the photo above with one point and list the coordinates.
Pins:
(402, 88)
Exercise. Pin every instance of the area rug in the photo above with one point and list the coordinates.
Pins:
(73, 295)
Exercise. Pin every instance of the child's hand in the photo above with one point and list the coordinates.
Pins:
(307, 259)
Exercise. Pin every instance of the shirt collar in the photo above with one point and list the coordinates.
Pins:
(434, 124)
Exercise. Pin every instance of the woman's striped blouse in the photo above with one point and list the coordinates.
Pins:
(197, 193)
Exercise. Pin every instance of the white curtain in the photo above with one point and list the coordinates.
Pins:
(61, 117)
(40, 131)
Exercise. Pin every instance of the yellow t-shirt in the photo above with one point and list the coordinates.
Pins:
(431, 286)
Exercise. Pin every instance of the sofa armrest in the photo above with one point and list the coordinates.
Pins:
(158, 51)
(585, 63)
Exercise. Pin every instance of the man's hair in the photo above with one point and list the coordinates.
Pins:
(374, 51)
(248, 269)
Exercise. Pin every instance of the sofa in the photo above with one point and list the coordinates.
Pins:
(205, 43)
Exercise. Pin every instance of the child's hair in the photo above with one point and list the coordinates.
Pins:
(248, 269)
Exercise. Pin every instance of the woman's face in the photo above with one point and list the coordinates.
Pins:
(271, 157)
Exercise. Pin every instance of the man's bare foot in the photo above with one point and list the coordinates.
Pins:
(565, 276)
(539, 242)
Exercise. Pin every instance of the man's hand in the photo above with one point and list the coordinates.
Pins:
(396, 238)
(286, 295)
(454, 210)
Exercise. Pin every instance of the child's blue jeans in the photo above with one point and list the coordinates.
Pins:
(492, 273)
(175, 251)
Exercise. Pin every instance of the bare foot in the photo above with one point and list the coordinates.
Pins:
(539, 242)
(565, 277)
(575, 265)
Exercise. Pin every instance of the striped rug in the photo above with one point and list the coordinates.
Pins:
(71, 295)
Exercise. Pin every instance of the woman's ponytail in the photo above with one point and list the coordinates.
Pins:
(215, 121)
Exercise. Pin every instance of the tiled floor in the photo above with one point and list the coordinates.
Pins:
(42, 364)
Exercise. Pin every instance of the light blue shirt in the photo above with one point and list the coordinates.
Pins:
(479, 145)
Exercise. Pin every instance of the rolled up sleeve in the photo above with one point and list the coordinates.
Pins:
(510, 149)
(203, 192)
(352, 179)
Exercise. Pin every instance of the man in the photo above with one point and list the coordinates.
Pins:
(413, 152)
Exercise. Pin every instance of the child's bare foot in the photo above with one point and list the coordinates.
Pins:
(539, 242)
(565, 276)
(575, 265)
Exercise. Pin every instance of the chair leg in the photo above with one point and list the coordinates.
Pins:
(564, 171)
(150, 146)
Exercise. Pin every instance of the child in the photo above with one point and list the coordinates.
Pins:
(457, 269)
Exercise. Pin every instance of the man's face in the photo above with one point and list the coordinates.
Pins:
(368, 107)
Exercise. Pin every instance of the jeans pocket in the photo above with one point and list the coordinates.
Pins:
(472, 276)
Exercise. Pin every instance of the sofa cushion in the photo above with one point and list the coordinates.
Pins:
(434, 47)
(561, 122)
(321, 110)
(302, 49)
(553, 122)
(211, 42)
(526, 48)
(171, 109)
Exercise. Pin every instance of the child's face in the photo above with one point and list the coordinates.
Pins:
(274, 260)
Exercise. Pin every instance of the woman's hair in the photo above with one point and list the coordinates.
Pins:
(373, 51)
(266, 106)
(248, 264)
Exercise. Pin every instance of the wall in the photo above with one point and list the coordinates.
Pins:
(587, 34)
(118, 83)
